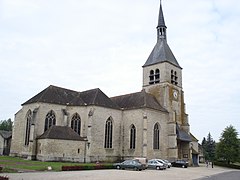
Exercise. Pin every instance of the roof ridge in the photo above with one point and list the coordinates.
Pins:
(125, 94)
(58, 87)
(44, 92)
(96, 94)
(89, 90)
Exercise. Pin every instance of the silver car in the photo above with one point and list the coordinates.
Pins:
(154, 164)
(163, 162)
(168, 163)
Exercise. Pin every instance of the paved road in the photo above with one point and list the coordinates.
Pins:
(233, 175)
(169, 174)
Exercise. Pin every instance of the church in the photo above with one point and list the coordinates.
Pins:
(59, 124)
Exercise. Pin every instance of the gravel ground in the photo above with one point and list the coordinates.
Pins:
(169, 174)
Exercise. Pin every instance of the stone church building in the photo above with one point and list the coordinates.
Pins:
(59, 124)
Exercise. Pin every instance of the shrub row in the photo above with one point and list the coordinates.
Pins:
(234, 166)
(4, 178)
(87, 167)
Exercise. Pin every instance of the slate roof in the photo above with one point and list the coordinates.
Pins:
(97, 97)
(193, 137)
(6, 134)
(161, 22)
(161, 53)
(183, 135)
(61, 132)
(62, 96)
(57, 95)
(138, 100)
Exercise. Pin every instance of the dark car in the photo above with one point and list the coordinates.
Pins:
(129, 164)
(180, 163)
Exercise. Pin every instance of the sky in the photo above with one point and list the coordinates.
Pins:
(81, 45)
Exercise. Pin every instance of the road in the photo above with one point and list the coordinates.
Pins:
(232, 175)
(169, 174)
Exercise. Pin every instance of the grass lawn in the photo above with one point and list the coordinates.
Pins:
(15, 164)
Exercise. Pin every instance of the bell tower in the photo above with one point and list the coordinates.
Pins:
(162, 77)
(161, 68)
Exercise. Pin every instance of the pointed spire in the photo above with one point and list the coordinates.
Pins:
(161, 52)
(161, 28)
(161, 22)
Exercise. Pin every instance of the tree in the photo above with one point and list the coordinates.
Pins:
(228, 148)
(209, 147)
(6, 125)
(204, 147)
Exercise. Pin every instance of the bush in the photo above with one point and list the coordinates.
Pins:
(87, 167)
(4, 178)
(234, 166)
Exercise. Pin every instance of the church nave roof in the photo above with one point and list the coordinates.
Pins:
(138, 100)
(62, 96)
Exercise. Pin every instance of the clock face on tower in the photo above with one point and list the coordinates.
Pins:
(175, 94)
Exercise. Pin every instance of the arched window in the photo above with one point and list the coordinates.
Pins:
(174, 77)
(154, 77)
(28, 126)
(151, 77)
(50, 120)
(76, 123)
(157, 76)
(108, 133)
(156, 136)
(132, 137)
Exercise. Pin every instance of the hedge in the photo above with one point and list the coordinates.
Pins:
(4, 178)
(234, 166)
(87, 167)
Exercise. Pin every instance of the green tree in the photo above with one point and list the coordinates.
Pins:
(209, 147)
(6, 125)
(204, 146)
(228, 148)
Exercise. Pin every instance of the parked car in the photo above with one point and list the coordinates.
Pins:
(143, 161)
(168, 163)
(163, 162)
(180, 163)
(129, 164)
(154, 164)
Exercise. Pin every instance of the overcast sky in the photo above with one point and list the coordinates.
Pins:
(82, 44)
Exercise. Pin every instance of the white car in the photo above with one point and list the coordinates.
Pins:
(154, 164)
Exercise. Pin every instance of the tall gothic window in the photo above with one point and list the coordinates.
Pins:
(154, 77)
(28, 126)
(174, 77)
(50, 120)
(156, 136)
(108, 133)
(132, 137)
(76, 123)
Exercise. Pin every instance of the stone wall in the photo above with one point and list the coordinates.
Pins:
(61, 150)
